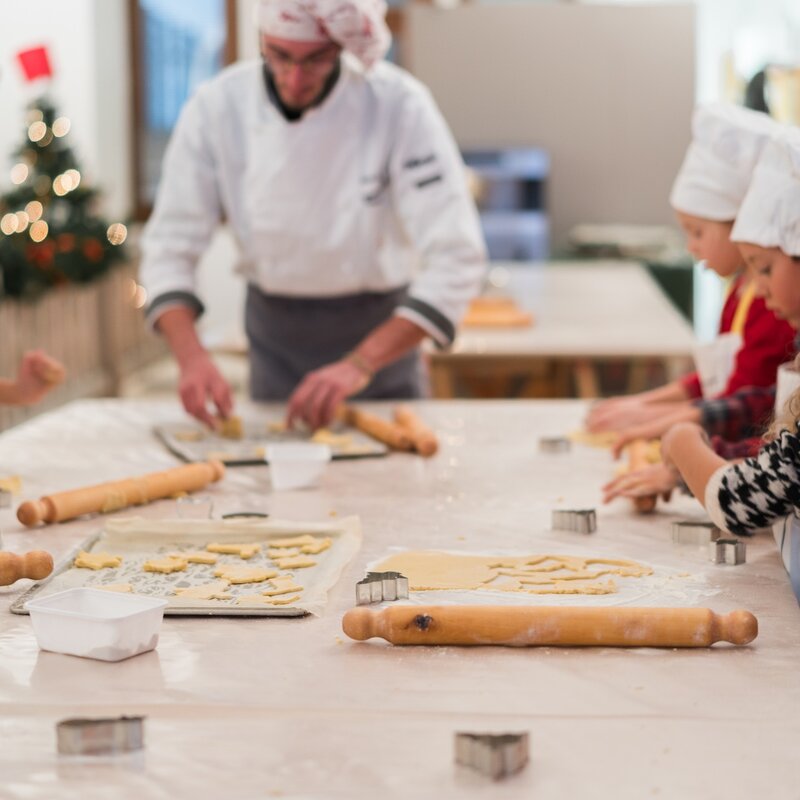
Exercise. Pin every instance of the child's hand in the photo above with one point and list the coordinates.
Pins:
(38, 373)
(654, 480)
(613, 414)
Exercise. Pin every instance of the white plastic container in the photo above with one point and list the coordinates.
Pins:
(297, 465)
(92, 623)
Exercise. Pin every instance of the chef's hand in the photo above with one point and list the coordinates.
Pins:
(653, 480)
(38, 373)
(322, 391)
(200, 383)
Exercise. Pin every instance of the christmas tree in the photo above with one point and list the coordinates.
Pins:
(50, 233)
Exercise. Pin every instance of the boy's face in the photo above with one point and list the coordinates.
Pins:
(710, 242)
(777, 280)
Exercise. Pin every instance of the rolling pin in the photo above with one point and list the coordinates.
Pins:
(637, 459)
(422, 437)
(525, 626)
(36, 565)
(116, 495)
(389, 433)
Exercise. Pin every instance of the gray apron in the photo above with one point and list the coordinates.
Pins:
(291, 336)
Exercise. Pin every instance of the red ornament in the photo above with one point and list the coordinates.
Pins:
(41, 255)
(66, 242)
(35, 63)
(93, 250)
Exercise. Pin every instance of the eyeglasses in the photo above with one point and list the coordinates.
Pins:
(314, 64)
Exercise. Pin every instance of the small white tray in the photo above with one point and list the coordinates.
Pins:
(96, 624)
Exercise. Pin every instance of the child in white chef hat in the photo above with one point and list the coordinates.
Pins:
(751, 494)
(37, 374)
(706, 196)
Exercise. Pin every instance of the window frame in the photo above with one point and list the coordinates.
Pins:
(141, 208)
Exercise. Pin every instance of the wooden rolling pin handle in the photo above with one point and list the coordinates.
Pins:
(36, 564)
(423, 438)
(519, 626)
(637, 459)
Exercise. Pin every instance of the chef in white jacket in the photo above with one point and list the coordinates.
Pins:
(347, 198)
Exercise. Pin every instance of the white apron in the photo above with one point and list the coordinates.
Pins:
(716, 360)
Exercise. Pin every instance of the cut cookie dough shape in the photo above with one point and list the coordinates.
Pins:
(198, 557)
(317, 547)
(295, 562)
(114, 587)
(236, 574)
(207, 591)
(230, 428)
(166, 565)
(283, 584)
(189, 435)
(96, 560)
(242, 550)
(283, 552)
(293, 541)
(260, 600)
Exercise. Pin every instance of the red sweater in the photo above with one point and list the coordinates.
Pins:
(767, 342)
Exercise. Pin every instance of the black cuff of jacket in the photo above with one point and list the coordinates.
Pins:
(435, 317)
(176, 298)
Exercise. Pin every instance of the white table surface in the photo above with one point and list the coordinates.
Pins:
(291, 708)
(594, 309)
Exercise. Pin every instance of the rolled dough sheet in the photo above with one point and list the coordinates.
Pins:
(534, 574)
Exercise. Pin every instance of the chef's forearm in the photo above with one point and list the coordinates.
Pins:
(177, 327)
(389, 341)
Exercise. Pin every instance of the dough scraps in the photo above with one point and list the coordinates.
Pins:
(235, 574)
(283, 584)
(534, 574)
(327, 436)
(603, 440)
(295, 562)
(242, 550)
(113, 587)
(259, 599)
(198, 557)
(192, 435)
(167, 564)
(206, 591)
(96, 560)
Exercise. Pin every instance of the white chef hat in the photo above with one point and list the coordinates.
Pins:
(715, 174)
(770, 213)
(359, 26)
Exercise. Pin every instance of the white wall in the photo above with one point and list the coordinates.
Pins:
(607, 91)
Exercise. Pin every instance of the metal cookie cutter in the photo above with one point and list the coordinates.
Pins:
(6, 498)
(100, 737)
(699, 532)
(728, 551)
(580, 520)
(554, 444)
(496, 755)
(244, 515)
(378, 586)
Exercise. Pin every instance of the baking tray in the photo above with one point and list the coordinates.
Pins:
(137, 540)
(192, 442)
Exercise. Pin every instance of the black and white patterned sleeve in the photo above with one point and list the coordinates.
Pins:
(750, 495)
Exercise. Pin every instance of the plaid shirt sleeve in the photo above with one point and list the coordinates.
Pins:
(738, 416)
(734, 451)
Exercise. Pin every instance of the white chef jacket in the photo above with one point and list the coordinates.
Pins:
(364, 193)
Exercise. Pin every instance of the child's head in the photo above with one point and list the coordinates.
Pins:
(767, 230)
(713, 180)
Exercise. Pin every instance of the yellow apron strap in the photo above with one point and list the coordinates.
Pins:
(745, 301)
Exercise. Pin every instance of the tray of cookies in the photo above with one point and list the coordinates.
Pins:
(243, 442)
(233, 567)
